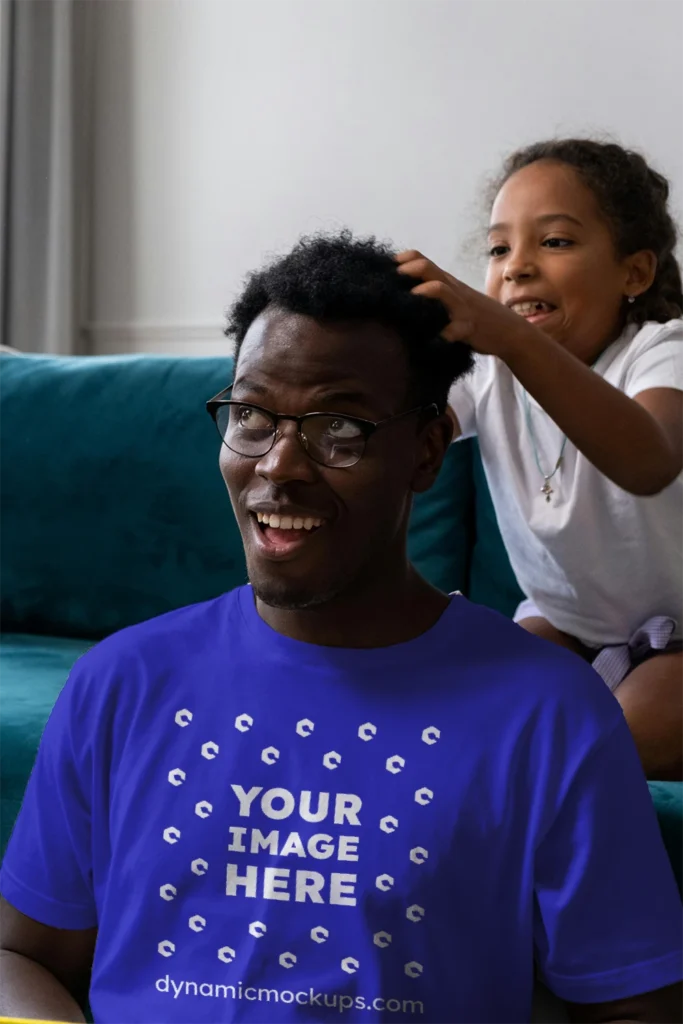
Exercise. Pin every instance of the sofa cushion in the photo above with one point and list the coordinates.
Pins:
(492, 581)
(112, 505)
(441, 525)
(668, 800)
(33, 669)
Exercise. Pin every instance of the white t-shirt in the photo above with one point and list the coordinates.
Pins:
(596, 560)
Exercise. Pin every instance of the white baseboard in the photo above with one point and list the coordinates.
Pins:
(204, 339)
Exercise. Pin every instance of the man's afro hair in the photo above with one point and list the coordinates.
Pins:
(339, 278)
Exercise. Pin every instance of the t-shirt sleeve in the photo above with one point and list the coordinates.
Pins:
(607, 921)
(47, 870)
(660, 364)
(462, 399)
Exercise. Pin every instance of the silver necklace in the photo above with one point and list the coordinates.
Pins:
(546, 489)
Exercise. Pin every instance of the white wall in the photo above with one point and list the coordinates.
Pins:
(225, 128)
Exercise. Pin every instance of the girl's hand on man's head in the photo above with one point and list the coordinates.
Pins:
(483, 323)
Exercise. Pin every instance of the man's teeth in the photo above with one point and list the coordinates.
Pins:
(529, 308)
(287, 522)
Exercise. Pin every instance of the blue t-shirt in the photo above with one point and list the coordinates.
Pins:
(266, 830)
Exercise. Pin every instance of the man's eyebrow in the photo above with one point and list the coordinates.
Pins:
(250, 385)
(546, 218)
(332, 393)
(339, 395)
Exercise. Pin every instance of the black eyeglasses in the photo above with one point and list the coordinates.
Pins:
(329, 439)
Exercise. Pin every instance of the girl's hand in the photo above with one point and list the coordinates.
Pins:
(483, 323)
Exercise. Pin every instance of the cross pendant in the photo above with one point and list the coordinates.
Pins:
(547, 490)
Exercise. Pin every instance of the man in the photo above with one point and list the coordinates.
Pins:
(336, 794)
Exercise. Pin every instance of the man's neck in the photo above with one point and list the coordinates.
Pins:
(394, 611)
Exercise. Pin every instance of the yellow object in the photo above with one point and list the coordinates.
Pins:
(28, 1020)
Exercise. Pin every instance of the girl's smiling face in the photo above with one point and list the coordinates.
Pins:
(552, 258)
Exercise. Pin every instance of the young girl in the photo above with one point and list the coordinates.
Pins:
(576, 398)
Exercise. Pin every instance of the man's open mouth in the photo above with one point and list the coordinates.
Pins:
(276, 522)
(278, 536)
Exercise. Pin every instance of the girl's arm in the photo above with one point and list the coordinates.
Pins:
(636, 442)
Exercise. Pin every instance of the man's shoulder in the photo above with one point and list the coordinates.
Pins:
(172, 638)
(531, 672)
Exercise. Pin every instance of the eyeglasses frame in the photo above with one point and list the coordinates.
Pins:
(368, 427)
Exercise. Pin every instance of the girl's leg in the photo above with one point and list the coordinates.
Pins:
(539, 626)
(651, 697)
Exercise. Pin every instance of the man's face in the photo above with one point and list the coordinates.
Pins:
(291, 364)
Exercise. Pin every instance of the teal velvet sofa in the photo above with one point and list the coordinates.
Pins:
(113, 511)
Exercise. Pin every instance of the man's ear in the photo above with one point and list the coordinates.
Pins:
(433, 442)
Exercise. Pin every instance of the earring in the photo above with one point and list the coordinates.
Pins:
(631, 299)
